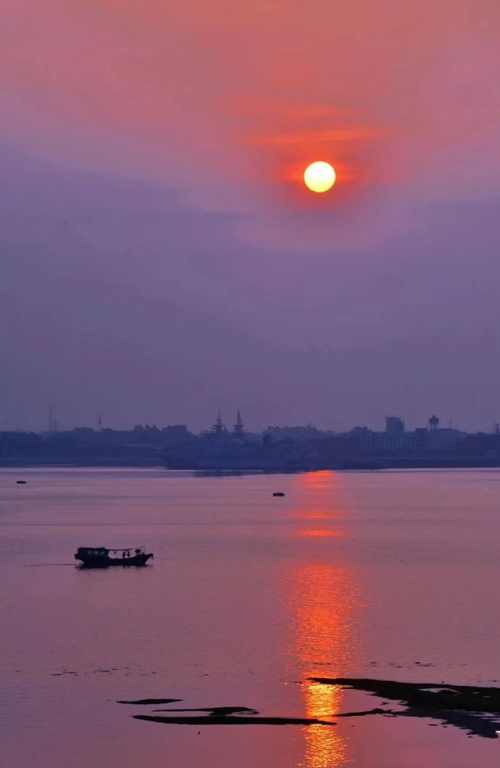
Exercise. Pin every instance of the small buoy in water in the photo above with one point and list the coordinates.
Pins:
(278, 493)
(21, 482)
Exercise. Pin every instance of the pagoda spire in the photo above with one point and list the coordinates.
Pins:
(218, 426)
(238, 427)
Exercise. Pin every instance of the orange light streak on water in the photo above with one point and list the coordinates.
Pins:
(324, 602)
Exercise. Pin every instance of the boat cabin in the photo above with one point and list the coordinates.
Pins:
(93, 551)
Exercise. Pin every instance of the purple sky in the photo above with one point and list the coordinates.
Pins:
(160, 257)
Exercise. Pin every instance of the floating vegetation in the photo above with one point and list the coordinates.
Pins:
(221, 711)
(475, 709)
(216, 718)
(146, 702)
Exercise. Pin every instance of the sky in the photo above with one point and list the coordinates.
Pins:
(160, 256)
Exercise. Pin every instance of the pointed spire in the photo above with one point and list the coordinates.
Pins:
(218, 426)
(238, 427)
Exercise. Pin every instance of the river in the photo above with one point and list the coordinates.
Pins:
(390, 575)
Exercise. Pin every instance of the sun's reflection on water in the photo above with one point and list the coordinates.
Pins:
(324, 602)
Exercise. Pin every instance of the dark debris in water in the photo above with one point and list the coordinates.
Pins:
(64, 672)
(218, 716)
(475, 709)
(215, 711)
(221, 719)
(146, 702)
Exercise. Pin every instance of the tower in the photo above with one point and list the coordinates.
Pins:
(433, 423)
(238, 427)
(218, 427)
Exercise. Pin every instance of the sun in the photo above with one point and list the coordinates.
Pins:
(319, 176)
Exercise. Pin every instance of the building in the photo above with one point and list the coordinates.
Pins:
(444, 441)
(394, 424)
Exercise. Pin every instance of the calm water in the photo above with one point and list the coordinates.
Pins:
(392, 574)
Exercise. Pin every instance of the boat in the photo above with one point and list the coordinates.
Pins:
(102, 557)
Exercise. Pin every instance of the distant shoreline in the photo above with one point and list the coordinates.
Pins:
(371, 463)
(69, 463)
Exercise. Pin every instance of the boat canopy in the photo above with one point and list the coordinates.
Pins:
(104, 551)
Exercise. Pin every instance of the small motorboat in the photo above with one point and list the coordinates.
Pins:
(102, 557)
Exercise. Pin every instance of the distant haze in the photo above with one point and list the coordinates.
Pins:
(159, 257)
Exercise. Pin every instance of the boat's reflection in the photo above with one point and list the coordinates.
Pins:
(325, 603)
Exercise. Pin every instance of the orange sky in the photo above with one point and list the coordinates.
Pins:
(244, 96)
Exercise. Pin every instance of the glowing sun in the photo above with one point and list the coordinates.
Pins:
(319, 176)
